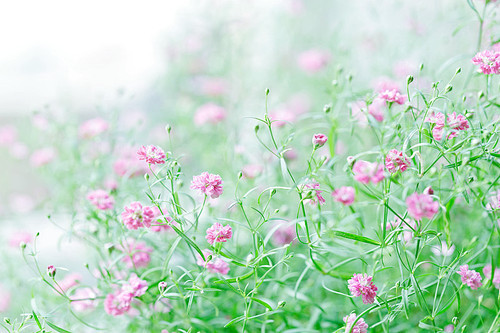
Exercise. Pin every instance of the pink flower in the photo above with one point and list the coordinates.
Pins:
(208, 184)
(404, 68)
(312, 61)
(8, 135)
(392, 96)
(281, 116)
(68, 282)
(455, 122)
(365, 172)
(128, 164)
(496, 276)
(285, 234)
(449, 328)
(137, 254)
(117, 304)
(407, 234)
(396, 161)
(135, 286)
(20, 237)
(92, 128)
(18, 150)
(151, 154)
(209, 113)
(162, 225)
(488, 62)
(344, 195)
(319, 140)
(487, 271)
(383, 83)
(376, 110)
(84, 299)
(137, 216)
(362, 285)
(218, 234)
(215, 265)
(420, 205)
(43, 156)
(212, 86)
(313, 193)
(101, 199)
(360, 327)
(470, 277)
(5, 297)
(494, 202)
(251, 171)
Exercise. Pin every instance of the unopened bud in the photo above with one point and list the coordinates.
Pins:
(448, 88)
(409, 79)
(327, 108)
(429, 190)
(319, 140)
(162, 286)
(51, 271)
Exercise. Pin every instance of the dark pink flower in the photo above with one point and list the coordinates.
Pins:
(319, 140)
(362, 285)
(396, 161)
(421, 205)
(312, 193)
(218, 233)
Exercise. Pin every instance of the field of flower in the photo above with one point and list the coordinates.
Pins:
(299, 166)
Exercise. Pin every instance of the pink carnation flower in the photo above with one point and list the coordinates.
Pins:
(454, 121)
(212, 86)
(362, 285)
(319, 140)
(84, 299)
(392, 96)
(365, 172)
(313, 193)
(151, 154)
(488, 62)
(396, 161)
(312, 61)
(128, 164)
(285, 234)
(384, 83)
(344, 195)
(218, 234)
(20, 237)
(43, 156)
(360, 327)
(421, 205)
(137, 254)
(208, 184)
(135, 286)
(496, 276)
(281, 116)
(209, 113)
(215, 265)
(101, 199)
(118, 303)
(92, 128)
(137, 216)
(470, 277)
(376, 110)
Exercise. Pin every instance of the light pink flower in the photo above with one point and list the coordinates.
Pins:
(487, 271)
(209, 113)
(407, 234)
(443, 250)
(208, 184)
(281, 116)
(43, 156)
(92, 127)
(69, 281)
(383, 83)
(494, 202)
(285, 233)
(404, 68)
(251, 171)
(421, 205)
(8, 135)
(455, 123)
(212, 86)
(344, 195)
(135, 286)
(18, 150)
(118, 303)
(313, 61)
(362, 285)
(396, 161)
(160, 226)
(111, 184)
(360, 327)
(20, 237)
(366, 172)
(101, 199)
(5, 297)
(137, 216)
(376, 110)
(319, 140)
(215, 265)
(151, 154)
(218, 233)
(496, 276)
(137, 254)
(313, 193)
(470, 277)
(128, 165)
(449, 328)
(84, 299)
(392, 96)
(488, 62)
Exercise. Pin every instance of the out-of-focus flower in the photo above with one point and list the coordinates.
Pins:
(209, 113)
(92, 128)
(8, 135)
(392, 96)
(407, 234)
(137, 216)
(319, 140)
(494, 202)
(443, 250)
(454, 121)
(5, 297)
(129, 165)
(218, 233)
(404, 68)
(366, 172)
(496, 276)
(43, 156)
(383, 83)
(449, 328)
(68, 282)
(211, 86)
(51, 271)
(18, 150)
(160, 226)
(360, 327)
(281, 116)
(101, 199)
(20, 237)
(151, 154)
(117, 304)
(421, 205)
(396, 161)
(215, 265)
(285, 233)
(21, 203)
(135, 286)
(312, 192)
(137, 254)
(362, 285)
(344, 195)
(313, 61)
(208, 184)
(84, 299)
(251, 171)
(488, 62)
(470, 277)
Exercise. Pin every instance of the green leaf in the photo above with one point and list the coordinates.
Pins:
(36, 319)
(189, 241)
(57, 328)
(355, 237)
(262, 303)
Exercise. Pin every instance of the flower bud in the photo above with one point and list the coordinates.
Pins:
(409, 79)
(429, 190)
(162, 286)
(319, 140)
(51, 271)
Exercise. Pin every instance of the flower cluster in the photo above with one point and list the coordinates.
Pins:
(313, 193)
(208, 184)
(137, 216)
(101, 199)
(396, 161)
(151, 154)
(119, 302)
(455, 123)
(470, 277)
(421, 205)
(392, 96)
(218, 234)
(215, 265)
(344, 195)
(362, 285)
(488, 62)
(359, 327)
(366, 172)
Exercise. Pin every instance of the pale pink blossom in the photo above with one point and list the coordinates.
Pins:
(404, 68)
(362, 285)
(290, 154)
(84, 299)
(494, 202)
(470, 277)
(281, 116)
(392, 96)
(251, 171)
(117, 303)
(135, 286)
(8, 135)
(212, 86)
(20, 237)
(135, 215)
(359, 327)
(151, 154)
(129, 165)
(285, 233)
(218, 233)
(101, 199)
(21, 203)
(92, 128)
(366, 172)
(319, 140)
(449, 328)
(408, 227)
(313, 61)
(209, 113)
(421, 205)
(488, 62)
(455, 123)
(18, 150)
(396, 161)
(5, 297)
(344, 195)
(42, 156)
(40, 122)
(161, 225)
(69, 281)
(111, 184)
(496, 276)
(443, 250)
(312, 192)
(359, 111)
(136, 254)
(215, 265)
(208, 184)
(383, 83)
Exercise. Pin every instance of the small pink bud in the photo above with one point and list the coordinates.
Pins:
(319, 140)
(51, 271)
(429, 190)
(162, 286)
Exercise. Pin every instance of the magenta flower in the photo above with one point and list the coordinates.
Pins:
(421, 205)
(218, 234)
(362, 285)
(135, 286)
(365, 172)
(137, 254)
(344, 195)
(470, 277)
(488, 62)
(209, 113)
(215, 265)
(392, 96)
(396, 161)
(313, 193)
(92, 127)
(360, 327)
(319, 140)
(51, 271)
(117, 304)
(84, 299)
(208, 184)
(313, 61)
(151, 154)
(137, 216)
(101, 199)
